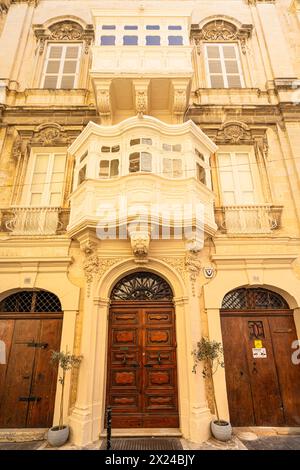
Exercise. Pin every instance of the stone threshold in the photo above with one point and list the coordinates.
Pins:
(261, 431)
(144, 432)
(22, 434)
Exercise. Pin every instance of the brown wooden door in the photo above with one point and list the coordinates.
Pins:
(261, 391)
(27, 380)
(141, 371)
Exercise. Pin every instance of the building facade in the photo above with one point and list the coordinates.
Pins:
(150, 188)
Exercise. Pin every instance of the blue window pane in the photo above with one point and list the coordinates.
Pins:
(174, 27)
(152, 40)
(108, 40)
(152, 26)
(130, 40)
(175, 41)
(108, 26)
(130, 27)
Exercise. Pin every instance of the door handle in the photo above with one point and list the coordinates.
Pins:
(124, 359)
(158, 358)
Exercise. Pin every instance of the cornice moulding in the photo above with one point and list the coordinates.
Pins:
(144, 122)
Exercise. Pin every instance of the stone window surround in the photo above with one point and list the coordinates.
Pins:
(60, 30)
(236, 134)
(220, 29)
(45, 136)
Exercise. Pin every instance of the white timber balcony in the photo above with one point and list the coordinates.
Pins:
(141, 63)
(142, 169)
(34, 220)
(248, 219)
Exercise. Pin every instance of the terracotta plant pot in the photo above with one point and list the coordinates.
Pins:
(221, 430)
(58, 437)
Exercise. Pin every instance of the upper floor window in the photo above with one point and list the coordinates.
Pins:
(61, 69)
(143, 141)
(223, 65)
(172, 167)
(236, 178)
(140, 161)
(107, 40)
(44, 179)
(109, 168)
(113, 149)
(171, 148)
(152, 40)
(175, 40)
(130, 40)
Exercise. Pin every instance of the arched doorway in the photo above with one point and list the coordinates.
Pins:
(30, 326)
(262, 381)
(142, 366)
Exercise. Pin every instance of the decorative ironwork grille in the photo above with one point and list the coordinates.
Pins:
(253, 298)
(142, 286)
(256, 329)
(31, 301)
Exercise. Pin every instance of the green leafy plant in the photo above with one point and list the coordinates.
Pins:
(210, 355)
(65, 361)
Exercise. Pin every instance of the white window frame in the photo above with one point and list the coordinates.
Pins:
(109, 160)
(45, 198)
(255, 176)
(222, 60)
(60, 74)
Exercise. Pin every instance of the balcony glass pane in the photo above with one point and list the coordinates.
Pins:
(108, 40)
(130, 40)
(134, 162)
(175, 40)
(114, 168)
(146, 161)
(152, 40)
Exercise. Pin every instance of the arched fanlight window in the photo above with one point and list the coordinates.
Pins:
(142, 286)
(253, 298)
(31, 301)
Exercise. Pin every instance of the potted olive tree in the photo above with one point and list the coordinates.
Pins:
(58, 435)
(210, 355)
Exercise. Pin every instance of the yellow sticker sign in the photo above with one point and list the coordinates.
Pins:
(258, 343)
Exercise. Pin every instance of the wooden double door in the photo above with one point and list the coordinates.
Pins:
(28, 380)
(141, 370)
(263, 383)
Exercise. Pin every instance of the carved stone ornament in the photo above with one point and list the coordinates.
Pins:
(45, 135)
(64, 31)
(140, 241)
(209, 272)
(221, 30)
(179, 103)
(193, 266)
(141, 102)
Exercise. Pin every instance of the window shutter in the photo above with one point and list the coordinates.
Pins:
(227, 179)
(62, 66)
(223, 66)
(46, 180)
(236, 179)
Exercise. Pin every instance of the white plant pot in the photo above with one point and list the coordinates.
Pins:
(222, 431)
(58, 437)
